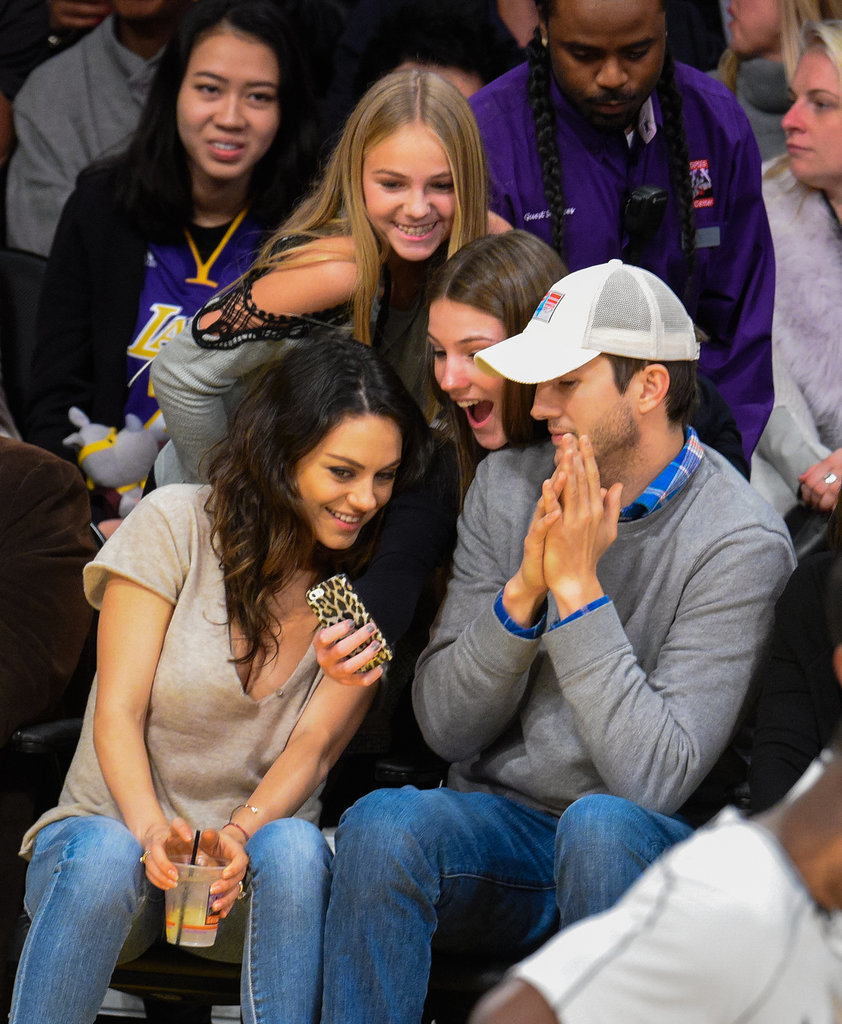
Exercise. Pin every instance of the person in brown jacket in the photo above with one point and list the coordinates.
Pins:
(45, 540)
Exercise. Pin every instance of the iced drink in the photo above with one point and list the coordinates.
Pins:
(190, 920)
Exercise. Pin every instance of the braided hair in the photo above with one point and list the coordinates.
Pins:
(679, 158)
(543, 115)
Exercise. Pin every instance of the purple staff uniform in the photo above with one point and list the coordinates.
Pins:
(734, 282)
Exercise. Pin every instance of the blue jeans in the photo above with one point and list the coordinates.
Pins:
(466, 872)
(91, 906)
(282, 962)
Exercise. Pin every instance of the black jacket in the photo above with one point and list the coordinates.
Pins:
(86, 316)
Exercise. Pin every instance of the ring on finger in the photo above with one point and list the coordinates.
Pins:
(831, 478)
(243, 893)
(144, 856)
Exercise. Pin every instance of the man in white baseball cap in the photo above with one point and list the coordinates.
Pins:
(604, 325)
(742, 922)
(590, 665)
(608, 309)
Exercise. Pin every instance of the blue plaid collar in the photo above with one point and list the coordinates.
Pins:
(668, 482)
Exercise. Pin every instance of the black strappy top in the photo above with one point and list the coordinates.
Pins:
(241, 320)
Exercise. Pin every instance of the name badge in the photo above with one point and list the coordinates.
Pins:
(707, 238)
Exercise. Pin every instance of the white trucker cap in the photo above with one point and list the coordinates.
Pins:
(612, 308)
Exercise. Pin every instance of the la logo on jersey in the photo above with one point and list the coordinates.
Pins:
(165, 321)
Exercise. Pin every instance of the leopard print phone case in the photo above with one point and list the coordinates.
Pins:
(335, 599)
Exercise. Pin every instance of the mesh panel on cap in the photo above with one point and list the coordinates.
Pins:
(622, 304)
(673, 314)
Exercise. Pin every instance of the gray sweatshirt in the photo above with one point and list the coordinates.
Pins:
(638, 698)
(78, 106)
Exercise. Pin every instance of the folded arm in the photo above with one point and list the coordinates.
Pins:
(197, 386)
(332, 716)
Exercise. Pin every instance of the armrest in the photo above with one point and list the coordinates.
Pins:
(47, 737)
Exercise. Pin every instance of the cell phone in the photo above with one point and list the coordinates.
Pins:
(335, 599)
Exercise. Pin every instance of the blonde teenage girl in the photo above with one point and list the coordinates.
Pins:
(404, 188)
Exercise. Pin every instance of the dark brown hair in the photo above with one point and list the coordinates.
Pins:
(259, 531)
(504, 276)
(681, 398)
(154, 188)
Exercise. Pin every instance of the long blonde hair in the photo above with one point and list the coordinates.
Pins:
(336, 205)
(794, 17)
(826, 37)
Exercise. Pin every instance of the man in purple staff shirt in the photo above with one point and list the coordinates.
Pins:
(600, 109)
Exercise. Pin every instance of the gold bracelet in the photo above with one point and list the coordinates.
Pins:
(248, 807)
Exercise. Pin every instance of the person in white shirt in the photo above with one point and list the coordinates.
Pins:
(738, 923)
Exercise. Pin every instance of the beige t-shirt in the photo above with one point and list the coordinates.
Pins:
(209, 743)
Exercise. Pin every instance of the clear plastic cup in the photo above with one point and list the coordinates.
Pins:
(190, 920)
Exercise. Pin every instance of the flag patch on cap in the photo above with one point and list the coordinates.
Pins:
(547, 306)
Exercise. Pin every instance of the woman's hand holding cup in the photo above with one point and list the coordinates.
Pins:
(228, 846)
(215, 846)
(160, 842)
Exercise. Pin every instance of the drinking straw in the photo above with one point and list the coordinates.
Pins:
(183, 903)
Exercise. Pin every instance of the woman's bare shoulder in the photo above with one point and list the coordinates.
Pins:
(320, 274)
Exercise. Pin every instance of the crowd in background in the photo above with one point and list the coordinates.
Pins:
(228, 197)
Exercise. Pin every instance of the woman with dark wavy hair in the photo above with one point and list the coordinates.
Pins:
(215, 705)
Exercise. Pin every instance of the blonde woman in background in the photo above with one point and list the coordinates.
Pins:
(765, 40)
(800, 451)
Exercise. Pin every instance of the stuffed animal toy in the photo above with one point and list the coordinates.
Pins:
(114, 460)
